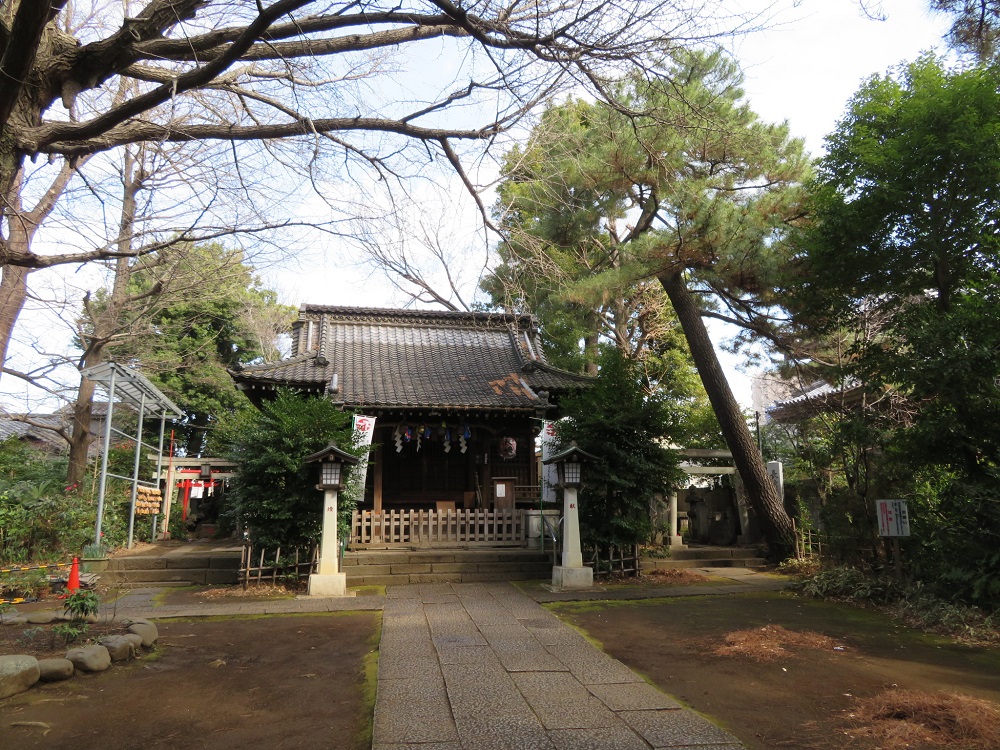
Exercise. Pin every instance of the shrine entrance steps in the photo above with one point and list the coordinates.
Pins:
(369, 567)
(174, 564)
(706, 556)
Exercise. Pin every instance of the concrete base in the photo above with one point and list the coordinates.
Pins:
(572, 578)
(674, 541)
(334, 584)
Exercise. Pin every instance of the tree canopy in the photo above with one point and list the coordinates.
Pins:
(903, 248)
(686, 187)
(195, 316)
(331, 92)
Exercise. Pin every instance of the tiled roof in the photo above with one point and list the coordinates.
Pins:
(416, 359)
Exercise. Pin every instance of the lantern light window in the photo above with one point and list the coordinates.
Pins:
(330, 473)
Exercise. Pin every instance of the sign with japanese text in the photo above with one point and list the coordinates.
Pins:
(893, 518)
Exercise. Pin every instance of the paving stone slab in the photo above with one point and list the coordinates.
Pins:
(403, 591)
(588, 714)
(530, 661)
(674, 729)
(564, 636)
(413, 711)
(408, 667)
(493, 732)
(633, 696)
(600, 738)
(467, 655)
(419, 746)
(592, 667)
(407, 650)
(470, 697)
(550, 687)
(453, 641)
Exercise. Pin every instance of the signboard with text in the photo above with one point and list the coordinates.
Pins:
(893, 518)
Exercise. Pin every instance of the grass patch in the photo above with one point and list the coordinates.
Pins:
(898, 719)
(369, 687)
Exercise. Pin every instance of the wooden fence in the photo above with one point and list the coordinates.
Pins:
(263, 565)
(614, 561)
(494, 528)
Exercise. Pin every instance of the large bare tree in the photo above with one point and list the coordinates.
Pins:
(332, 79)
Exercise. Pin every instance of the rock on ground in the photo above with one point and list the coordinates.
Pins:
(54, 670)
(89, 658)
(146, 630)
(135, 639)
(119, 647)
(17, 674)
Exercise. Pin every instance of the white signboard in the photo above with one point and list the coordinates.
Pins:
(777, 474)
(893, 518)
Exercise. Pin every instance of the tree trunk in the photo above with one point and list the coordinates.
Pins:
(83, 410)
(13, 292)
(105, 324)
(769, 508)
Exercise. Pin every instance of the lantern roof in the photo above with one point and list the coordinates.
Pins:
(332, 452)
(572, 453)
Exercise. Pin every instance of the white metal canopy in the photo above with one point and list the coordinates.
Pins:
(129, 387)
(133, 389)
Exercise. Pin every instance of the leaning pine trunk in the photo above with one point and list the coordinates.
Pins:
(770, 510)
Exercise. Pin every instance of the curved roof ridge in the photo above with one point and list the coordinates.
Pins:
(437, 317)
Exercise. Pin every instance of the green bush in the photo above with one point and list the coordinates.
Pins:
(273, 492)
(626, 425)
(43, 520)
(912, 602)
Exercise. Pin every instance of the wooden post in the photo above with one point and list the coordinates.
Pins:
(377, 485)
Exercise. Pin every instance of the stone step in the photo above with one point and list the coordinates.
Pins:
(466, 567)
(178, 576)
(440, 556)
(668, 563)
(478, 577)
(180, 562)
(714, 553)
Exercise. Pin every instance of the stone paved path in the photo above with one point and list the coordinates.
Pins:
(480, 666)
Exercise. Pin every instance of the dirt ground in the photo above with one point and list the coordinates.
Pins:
(276, 682)
(802, 700)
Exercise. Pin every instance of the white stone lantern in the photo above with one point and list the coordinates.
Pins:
(572, 574)
(329, 580)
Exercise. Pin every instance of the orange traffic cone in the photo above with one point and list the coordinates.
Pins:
(73, 585)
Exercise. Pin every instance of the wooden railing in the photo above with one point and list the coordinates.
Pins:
(493, 528)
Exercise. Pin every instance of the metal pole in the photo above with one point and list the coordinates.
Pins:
(159, 467)
(135, 469)
(104, 458)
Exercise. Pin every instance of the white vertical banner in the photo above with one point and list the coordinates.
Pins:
(550, 475)
(364, 430)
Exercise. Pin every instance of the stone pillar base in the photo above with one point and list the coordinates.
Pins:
(333, 584)
(572, 578)
(674, 541)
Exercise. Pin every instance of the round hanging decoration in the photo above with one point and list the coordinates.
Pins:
(508, 447)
